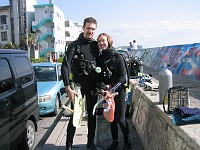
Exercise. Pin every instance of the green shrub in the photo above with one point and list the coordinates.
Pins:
(60, 60)
(42, 59)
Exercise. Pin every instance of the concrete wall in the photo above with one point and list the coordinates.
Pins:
(155, 128)
(183, 59)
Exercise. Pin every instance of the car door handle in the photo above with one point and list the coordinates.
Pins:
(6, 104)
(23, 106)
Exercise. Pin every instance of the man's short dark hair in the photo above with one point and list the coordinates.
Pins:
(89, 19)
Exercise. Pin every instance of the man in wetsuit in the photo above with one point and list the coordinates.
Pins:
(83, 73)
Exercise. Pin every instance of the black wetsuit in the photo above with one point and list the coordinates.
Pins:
(117, 74)
(88, 81)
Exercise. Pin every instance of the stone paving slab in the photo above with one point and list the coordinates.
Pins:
(56, 140)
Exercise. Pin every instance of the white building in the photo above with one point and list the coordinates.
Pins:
(49, 26)
(30, 13)
(72, 31)
(79, 26)
(16, 19)
(5, 28)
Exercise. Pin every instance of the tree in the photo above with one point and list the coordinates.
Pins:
(30, 41)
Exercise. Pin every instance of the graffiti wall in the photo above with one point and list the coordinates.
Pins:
(183, 59)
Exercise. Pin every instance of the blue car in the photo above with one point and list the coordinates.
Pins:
(51, 89)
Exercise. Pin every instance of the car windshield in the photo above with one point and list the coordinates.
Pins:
(45, 73)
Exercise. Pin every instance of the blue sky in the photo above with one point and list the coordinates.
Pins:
(152, 23)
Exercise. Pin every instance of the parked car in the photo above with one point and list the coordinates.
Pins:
(51, 89)
(19, 110)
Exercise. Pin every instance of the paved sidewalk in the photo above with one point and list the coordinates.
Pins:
(56, 140)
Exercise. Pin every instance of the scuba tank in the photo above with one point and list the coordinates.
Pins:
(141, 65)
(165, 82)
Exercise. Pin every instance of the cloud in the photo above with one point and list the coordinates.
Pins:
(154, 34)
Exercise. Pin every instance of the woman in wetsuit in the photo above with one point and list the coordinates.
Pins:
(114, 72)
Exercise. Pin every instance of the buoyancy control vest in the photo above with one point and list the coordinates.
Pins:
(110, 71)
(81, 66)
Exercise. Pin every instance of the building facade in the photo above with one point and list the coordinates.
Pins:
(49, 27)
(16, 21)
(53, 32)
(5, 25)
(72, 31)
(21, 16)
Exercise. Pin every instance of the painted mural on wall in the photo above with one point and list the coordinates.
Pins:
(148, 56)
(183, 59)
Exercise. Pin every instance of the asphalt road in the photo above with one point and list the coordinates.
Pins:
(46, 125)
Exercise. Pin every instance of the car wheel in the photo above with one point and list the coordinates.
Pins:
(56, 108)
(29, 136)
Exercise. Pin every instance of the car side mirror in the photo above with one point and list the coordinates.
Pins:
(62, 91)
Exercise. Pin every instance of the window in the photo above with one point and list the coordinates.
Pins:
(51, 14)
(6, 80)
(67, 34)
(23, 69)
(66, 23)
(7, 27)
(4, 36)
(57, 14)
(45, 73)
(3, 19)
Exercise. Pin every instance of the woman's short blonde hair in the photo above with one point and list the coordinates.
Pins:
(109, 38)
